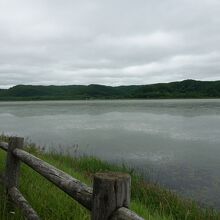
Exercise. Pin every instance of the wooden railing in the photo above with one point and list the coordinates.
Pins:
(109, 199)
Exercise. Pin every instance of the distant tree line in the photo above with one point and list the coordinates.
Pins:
(183, 89)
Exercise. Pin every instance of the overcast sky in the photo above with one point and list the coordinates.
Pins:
(112, 42)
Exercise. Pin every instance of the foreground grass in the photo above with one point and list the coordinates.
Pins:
(148, 200)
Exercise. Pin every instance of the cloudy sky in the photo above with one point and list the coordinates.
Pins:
(110, 42)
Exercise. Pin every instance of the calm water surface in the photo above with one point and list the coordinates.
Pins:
(173, 142)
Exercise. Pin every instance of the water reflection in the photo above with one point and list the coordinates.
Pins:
(173, 142)
(186, 108)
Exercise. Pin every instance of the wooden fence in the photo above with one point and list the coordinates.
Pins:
(109, 199)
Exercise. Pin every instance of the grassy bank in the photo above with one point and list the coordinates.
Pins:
(148, 200)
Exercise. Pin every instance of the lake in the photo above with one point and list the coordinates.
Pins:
(175, 143)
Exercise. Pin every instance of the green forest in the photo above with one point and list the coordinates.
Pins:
(183, 89)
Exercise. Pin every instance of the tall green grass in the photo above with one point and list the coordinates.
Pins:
(148, 200)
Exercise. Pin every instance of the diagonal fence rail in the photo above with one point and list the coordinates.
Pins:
(109, 199)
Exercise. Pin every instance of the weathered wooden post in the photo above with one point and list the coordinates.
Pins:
(12, 164)
(110, 192)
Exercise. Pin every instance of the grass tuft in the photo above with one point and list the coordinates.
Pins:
(148, 200)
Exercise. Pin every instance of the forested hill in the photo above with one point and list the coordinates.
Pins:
(183, 89)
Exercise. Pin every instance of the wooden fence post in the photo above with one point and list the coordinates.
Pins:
(110, 192)
(12, 163)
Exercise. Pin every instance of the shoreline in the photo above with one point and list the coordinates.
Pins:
(148, 200)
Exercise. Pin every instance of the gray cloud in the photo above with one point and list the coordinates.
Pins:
(108, 42)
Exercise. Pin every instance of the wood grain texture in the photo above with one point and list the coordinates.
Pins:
(12, 169)
(4, 146)
(110, 192)
(22, 203)
(125, 214)
(13, 163)
(73, 187)
(108, 200)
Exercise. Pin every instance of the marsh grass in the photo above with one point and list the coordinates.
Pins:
(148, 200)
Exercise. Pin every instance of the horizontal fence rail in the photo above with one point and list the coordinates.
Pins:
(22, 203)
(109, 198)
(4, 146)
(73, 187)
